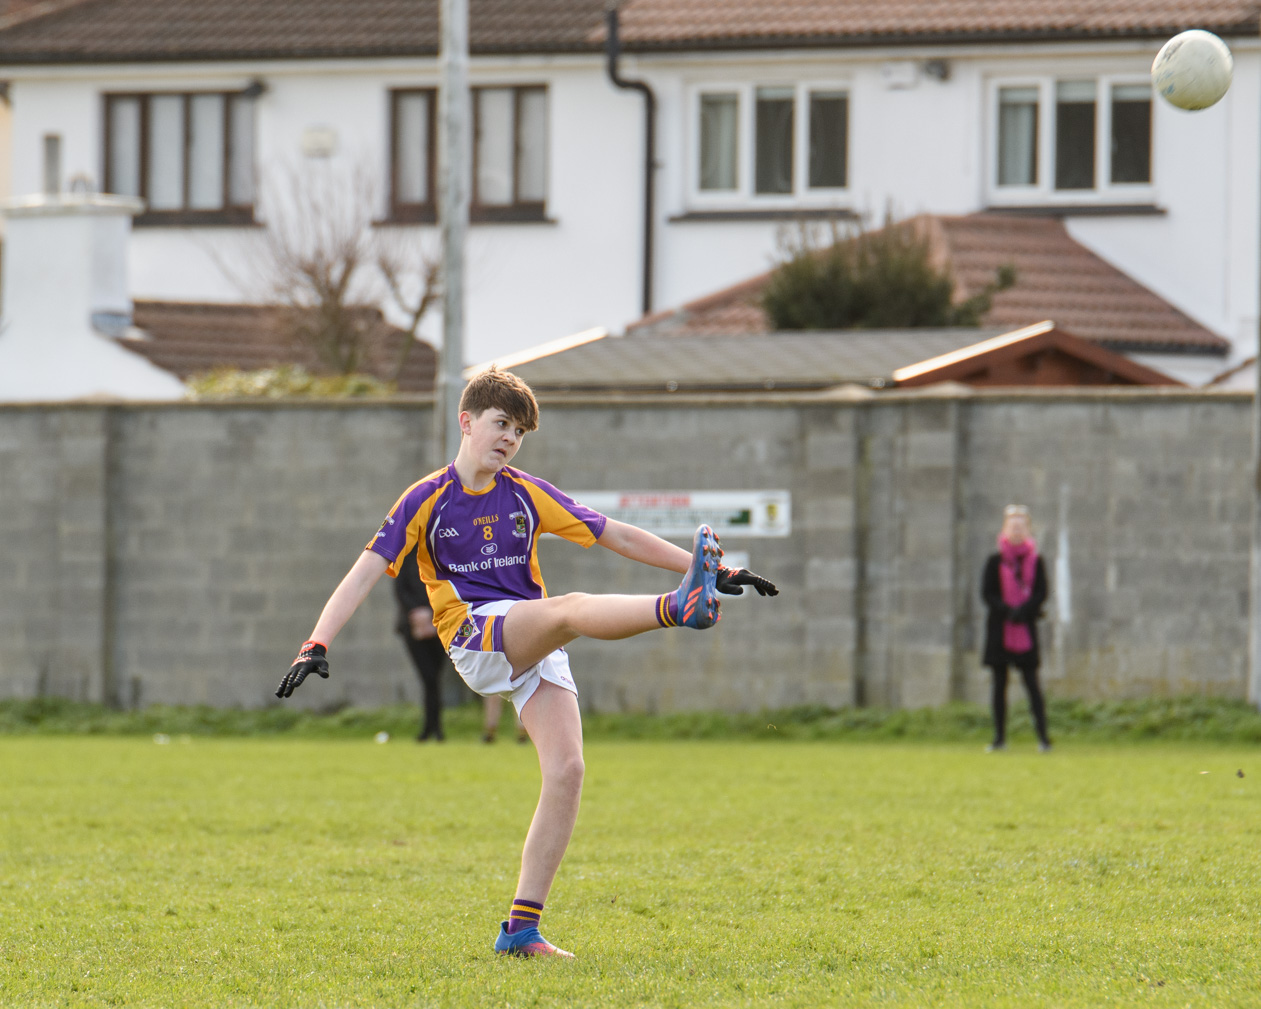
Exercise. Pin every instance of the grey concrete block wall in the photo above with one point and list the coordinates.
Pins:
(180, 553)
(52, 551)
(1155, 494)
(796, 649)
(235, 527)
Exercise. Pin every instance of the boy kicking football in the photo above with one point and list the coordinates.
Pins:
(477, 524)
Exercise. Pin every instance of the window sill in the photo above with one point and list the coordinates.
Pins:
(778, 214)
(242, 217)
(1079, 210)
(414, 214)
(529, 213)
(402, 217)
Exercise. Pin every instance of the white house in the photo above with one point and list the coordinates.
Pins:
(767, 113)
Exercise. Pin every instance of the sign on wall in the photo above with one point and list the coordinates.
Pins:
(678, 512)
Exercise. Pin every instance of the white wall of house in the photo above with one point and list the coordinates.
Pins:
(911, 150)
(928, 148)
(916, 144)
(527, 282)
(1202, 255)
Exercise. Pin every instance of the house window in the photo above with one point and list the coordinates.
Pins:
(770, 143)
(510, 147)
(412, 154)
(829, 139)
(1094, 143)
(1075, 135)
(510, 144)
(1018, 136)
(52, 163)
(720, 142)
(1131, 139)
(773, 141)
(189, 156)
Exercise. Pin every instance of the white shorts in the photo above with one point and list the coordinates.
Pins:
(478, 656)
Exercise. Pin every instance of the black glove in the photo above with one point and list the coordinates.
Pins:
(311, 659)
(732, 582)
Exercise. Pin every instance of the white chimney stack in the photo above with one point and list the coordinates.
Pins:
(65, 295)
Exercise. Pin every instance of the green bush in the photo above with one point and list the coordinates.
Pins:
(872, 280)
(286, 382)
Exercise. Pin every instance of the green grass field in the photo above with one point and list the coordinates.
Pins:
(287, 872)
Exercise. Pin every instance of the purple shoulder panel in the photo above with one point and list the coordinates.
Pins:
(592, 519)
(391, 539)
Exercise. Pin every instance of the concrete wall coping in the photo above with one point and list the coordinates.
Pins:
(71, 204)
(843, 396)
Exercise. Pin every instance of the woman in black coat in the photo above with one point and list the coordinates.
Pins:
(1013, 586)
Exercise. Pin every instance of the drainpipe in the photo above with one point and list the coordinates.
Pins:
(613, 50)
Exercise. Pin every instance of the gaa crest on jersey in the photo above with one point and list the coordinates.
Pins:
(519, 528)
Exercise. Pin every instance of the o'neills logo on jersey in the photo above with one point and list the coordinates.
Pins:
(518, 524)
(485, 520)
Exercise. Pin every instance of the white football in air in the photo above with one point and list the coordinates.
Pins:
(1193, 70)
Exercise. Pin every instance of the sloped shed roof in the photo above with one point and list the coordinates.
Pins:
(786, 362)
(782, 361)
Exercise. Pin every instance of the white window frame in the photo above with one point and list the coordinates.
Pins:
(1044, 192)
(743, 196)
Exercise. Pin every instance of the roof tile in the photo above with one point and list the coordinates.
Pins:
(114, 30)
(58, 31)
(688, 23)
(187, 338)
(1056, 278)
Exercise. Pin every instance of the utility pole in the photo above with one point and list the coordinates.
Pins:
(1254, 568)
(1254, 558)
(454, 176)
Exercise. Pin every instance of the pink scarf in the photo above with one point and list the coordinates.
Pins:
(1016, 569)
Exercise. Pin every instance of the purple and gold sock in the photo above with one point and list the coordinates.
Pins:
(524, 914)
(668, 609)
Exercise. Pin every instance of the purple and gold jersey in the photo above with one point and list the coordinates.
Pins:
(479, 546)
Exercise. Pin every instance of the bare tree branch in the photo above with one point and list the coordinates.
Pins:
(331, 272)
(392, 263)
